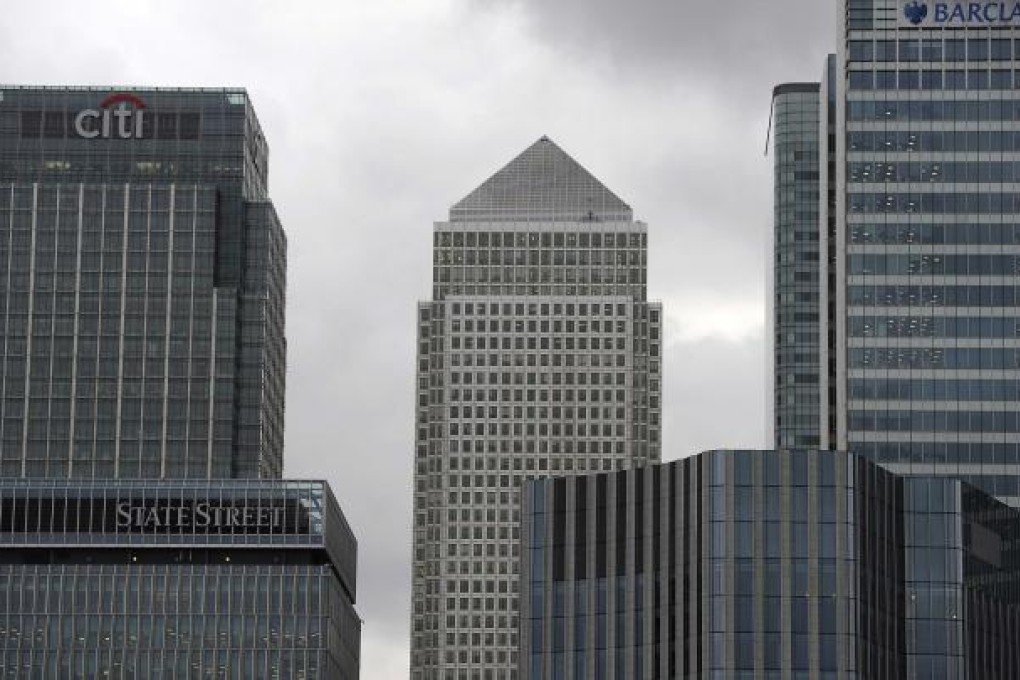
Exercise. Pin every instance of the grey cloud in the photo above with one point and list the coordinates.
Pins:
(381, 115)
(737, 40)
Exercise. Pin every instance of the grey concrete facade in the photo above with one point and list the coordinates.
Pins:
(539, 354)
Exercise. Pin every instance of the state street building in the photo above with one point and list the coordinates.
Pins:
(144, 528)
(188, 579)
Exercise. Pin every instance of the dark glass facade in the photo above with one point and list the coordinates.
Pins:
(176, 580)
(142, 290)
(803, 291)
(779, 564)
(142, 286)
(927, 212)
(797, 267)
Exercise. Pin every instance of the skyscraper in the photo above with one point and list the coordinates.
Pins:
(797, 265)
(803, 280)
(144, 531)
(923, 344)
(538, 354)
(928, 227)
(142, 279)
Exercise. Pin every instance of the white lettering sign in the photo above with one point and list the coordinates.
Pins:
(120, 116)
(200, 516)
(939, 14)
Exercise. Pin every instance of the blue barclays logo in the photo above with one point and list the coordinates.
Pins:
(915, 12)
(963, 13)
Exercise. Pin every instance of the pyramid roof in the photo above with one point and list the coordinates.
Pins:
(543, 184)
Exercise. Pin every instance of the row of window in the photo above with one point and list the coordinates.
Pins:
(928, 389)
(581, 239)
(557, 343)
(535, 258)
(933, 80)
(933, 421)
(990, 203)
(546, 446)
(940, 264)
(976, 48)
(537, 396)
(942, 451)
(941, 358)
(532, 412)
(544, 429)
(543, 378)
(932, 327)
(544, 326)
(888, 141)
(1000, 233)
(546, 275)
(933, 296)
(963, 171)
(534, 359)
(97, 201)
(636, 291)
(933, 110)
(557, 309)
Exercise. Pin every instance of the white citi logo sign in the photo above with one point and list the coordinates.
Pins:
(119, 116)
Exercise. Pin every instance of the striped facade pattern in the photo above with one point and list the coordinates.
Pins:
(778, 565)
(120, 356)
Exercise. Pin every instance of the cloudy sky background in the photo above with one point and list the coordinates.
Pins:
(381, 114)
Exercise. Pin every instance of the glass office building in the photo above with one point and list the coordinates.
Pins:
(920, 231)
(142, 290)
(176, 579)
(797, 268)
(928, 212)
(538, 354)
(142, 286)
(741, 565)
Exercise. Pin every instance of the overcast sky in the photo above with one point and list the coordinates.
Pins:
(381, 114)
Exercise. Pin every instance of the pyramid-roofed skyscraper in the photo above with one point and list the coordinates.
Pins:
(538, 355)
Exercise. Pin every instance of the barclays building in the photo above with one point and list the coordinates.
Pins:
(917, 243)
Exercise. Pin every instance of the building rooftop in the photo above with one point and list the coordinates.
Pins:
(543, 184)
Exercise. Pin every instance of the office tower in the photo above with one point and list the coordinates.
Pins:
(928, 227)
(919, 323)
(539, 354)
(142, 279)
(176, 579)
(142, 286)
(797, 150)
(802, 281)
(767, 564)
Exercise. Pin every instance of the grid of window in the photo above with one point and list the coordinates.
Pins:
(537, 355)
(797, 266)
(143, 285)
(764, 564)
(594, 261)
(927, 246)
(180, 621)
(228, 579)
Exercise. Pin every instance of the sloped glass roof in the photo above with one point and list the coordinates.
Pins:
(543, 184)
